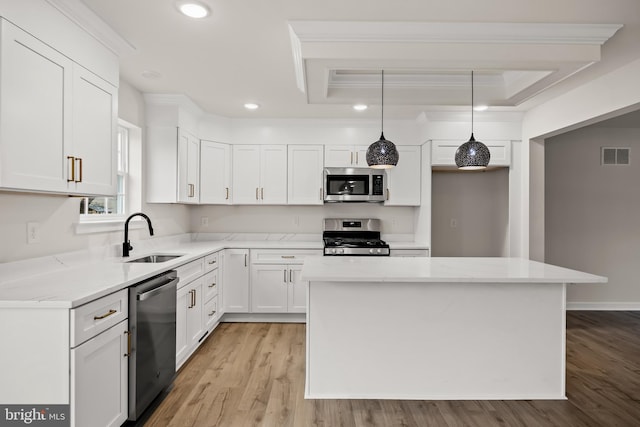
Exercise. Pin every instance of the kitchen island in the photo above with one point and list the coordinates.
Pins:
(436, 328)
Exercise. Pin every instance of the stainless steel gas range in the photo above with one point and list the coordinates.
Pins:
(344, 236)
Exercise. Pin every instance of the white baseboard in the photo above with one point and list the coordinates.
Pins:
(604, 306)
(265, 317)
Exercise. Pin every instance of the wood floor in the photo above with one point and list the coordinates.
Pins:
(253, 375)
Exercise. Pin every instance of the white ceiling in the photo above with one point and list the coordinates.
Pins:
(305, 58)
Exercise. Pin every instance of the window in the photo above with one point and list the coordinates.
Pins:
(111, 207)
(99, 214)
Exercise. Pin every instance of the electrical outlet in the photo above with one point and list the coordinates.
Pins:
(453, 223)
(33, 232)
(204, 221)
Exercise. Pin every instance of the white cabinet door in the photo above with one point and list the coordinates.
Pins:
(403, 181)
(35, 112)
(99, 379)
(443, 152)
(95, 104)
(360, 153)
(269, 288)
(347, 156)
(246, 174)
(235, 284)
(305, 164)
(189, 325)
(297, 290)
(188, 167)
(215, 173)
(336, 156)
(273, 174)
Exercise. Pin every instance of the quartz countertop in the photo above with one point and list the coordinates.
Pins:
(70, 280)
(463, 270)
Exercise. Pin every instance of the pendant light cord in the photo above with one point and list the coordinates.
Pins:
(471, 102)
(382, 109)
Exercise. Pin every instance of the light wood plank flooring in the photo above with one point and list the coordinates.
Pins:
(253, 375)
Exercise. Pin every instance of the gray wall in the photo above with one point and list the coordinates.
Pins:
(591, 214)
(478, 202)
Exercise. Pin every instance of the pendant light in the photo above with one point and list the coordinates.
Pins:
(382, 154)
(472, 155)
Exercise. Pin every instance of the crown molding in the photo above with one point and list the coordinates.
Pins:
(452, 32)
(85, 18)
(179, 100)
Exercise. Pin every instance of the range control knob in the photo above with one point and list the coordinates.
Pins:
(372, 251)
(340, 250)
(333, 250)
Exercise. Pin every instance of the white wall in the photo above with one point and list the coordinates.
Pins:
(591, 215)
(608, 96)
(478, 203)
(58, 215)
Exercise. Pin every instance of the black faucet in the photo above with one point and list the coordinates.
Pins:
(126, 246)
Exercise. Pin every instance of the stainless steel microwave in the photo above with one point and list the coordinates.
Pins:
(354, 185)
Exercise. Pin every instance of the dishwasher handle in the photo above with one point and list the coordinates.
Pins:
(160, 285)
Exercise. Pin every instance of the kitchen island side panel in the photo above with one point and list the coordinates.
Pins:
(448, 341)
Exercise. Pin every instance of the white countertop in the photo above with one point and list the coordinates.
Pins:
(464, 270)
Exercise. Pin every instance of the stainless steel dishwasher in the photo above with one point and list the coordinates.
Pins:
(152, 326)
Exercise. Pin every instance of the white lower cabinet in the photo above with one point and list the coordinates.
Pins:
(189, 328)
(99, 379)
(276, 286)
(197, 311)
(235, 295)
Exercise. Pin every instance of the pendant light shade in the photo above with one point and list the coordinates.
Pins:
(472, 155)
(382, 154)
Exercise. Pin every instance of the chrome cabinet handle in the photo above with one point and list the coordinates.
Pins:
(212, 313)
(262, 193)
(257, 193)
(290, 271)
(245, 260)
(212, 285)
(388, 192)
(212, 262)
(227, 196)
(285, 275)
(288, 256)
(352, 157)
(356, 157)
(107, 314)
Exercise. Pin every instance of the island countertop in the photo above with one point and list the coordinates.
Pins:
(435, 269)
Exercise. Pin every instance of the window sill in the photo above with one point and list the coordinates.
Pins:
(107, 225)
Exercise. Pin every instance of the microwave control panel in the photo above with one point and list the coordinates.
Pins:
(378, 185)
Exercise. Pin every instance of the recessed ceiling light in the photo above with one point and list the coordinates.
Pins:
(251, 106)
(360, 107)
(481, 107)
(193, 9)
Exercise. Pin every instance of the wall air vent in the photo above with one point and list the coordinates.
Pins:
(614, 156)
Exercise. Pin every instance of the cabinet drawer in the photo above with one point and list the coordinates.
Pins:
(210, 284)
(211, 262)
(443, 152)
(409, 252)
(282, 256)
(211, 313)
(90, 319)
(190, 271)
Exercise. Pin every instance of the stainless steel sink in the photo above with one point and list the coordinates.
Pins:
(155, 258)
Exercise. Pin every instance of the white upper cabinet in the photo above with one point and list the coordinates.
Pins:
(188, 167)
(259, 174)
(347, 156)
(57, 120)
(172, 149)
(305, 164)
(443, 152)
(215, 173)
(403, 181)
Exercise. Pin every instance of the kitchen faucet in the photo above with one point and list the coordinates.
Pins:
(126, 246)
